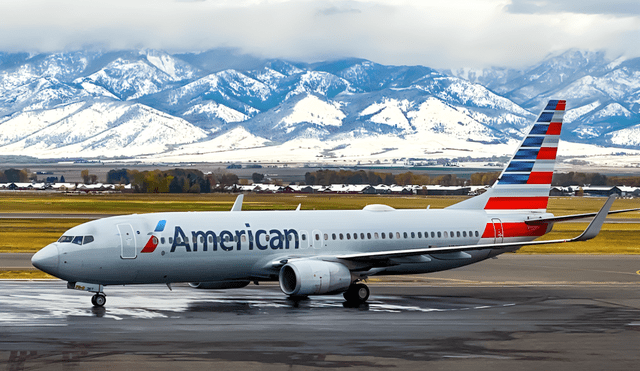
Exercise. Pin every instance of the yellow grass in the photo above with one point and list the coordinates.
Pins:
(29, 235)
(25, 275)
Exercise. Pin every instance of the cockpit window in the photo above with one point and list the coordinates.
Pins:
(78, 240)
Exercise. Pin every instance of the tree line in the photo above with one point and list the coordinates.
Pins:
(327, 177)
(172, 181)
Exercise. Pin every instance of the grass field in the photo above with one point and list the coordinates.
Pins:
(29, 235)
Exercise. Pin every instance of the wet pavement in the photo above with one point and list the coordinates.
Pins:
(488, 326)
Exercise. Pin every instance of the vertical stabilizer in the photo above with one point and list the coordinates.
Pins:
(525, 183)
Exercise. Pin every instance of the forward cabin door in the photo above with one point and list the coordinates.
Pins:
(498, 231)
(127, 241)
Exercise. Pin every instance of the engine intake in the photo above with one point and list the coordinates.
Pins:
(314, 277)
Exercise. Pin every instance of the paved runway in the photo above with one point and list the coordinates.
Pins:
(517, 312)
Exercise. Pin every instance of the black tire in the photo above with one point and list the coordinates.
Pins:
(357, 293)
(98, 300)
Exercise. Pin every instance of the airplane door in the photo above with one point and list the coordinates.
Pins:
(127, 241)
(316, 235)
(498, 231)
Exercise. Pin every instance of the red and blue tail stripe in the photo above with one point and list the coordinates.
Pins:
(525, 183)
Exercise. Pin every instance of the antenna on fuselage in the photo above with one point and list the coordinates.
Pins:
(237, 206)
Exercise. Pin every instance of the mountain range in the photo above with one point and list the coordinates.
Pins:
(222, 105)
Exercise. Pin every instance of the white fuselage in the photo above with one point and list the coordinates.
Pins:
(247, 245)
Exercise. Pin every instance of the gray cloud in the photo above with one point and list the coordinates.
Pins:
(622, 8)
(452, 34)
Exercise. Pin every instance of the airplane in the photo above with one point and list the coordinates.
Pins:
(321, 252)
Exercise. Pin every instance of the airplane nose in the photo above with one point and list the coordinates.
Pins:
(47, 259)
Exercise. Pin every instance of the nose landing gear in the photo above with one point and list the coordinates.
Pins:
(98, 300)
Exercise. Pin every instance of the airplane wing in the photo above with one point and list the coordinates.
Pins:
(592, 231)
(572, 217)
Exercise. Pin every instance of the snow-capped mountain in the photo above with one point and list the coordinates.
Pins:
(152, 103)
(603, 94)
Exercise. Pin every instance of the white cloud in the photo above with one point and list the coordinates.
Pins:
(455, 33)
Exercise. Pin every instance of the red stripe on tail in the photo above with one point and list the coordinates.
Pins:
(539, 177)
(554, 128)
(516, 203)
(547, 153)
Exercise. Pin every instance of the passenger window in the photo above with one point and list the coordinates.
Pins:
(186, 239)
(355, 236)
(362, 236)
(171, 240)
(369, 236)
(341, 236)
(390, 235)
(458, 234)
(304, 237)
(162, 240)
(405, 235)
(464, 233)
(266, 237)
(326, 236)
(87, 239)
(433, 235)
(382, 235)
(397, 234)
(333, 236)
(419, 234)
(413, 235)
(348, 236)
(201, 239)
(317, 237)
(375, 235)
(66, 239)
(440, 234)
(77, 240)
(244, 238)
(211, 239)
(446, 235)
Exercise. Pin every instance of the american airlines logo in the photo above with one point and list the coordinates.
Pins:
(260, 239)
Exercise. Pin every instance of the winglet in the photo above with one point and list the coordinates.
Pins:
(596, 224)
(237, 206)
(298, 208)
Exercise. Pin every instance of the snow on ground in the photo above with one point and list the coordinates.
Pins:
(316, 111)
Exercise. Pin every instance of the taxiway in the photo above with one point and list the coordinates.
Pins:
(561, 312)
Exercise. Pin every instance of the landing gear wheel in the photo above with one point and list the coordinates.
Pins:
(98, 300)
(357, 293)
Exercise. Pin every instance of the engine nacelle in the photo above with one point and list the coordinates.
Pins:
(314, 277)
(213, 285)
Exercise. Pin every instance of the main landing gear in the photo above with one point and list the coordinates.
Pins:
(357, 293)
(98, 300)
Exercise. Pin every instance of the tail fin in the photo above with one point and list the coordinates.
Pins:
(525, 183)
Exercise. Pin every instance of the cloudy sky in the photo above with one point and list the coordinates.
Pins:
(440, 34)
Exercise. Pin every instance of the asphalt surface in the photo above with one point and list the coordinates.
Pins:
(517, 312)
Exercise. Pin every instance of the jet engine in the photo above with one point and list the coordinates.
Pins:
(314, 277)
(219, 285)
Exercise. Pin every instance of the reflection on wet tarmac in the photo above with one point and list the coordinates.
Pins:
(153, 301)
